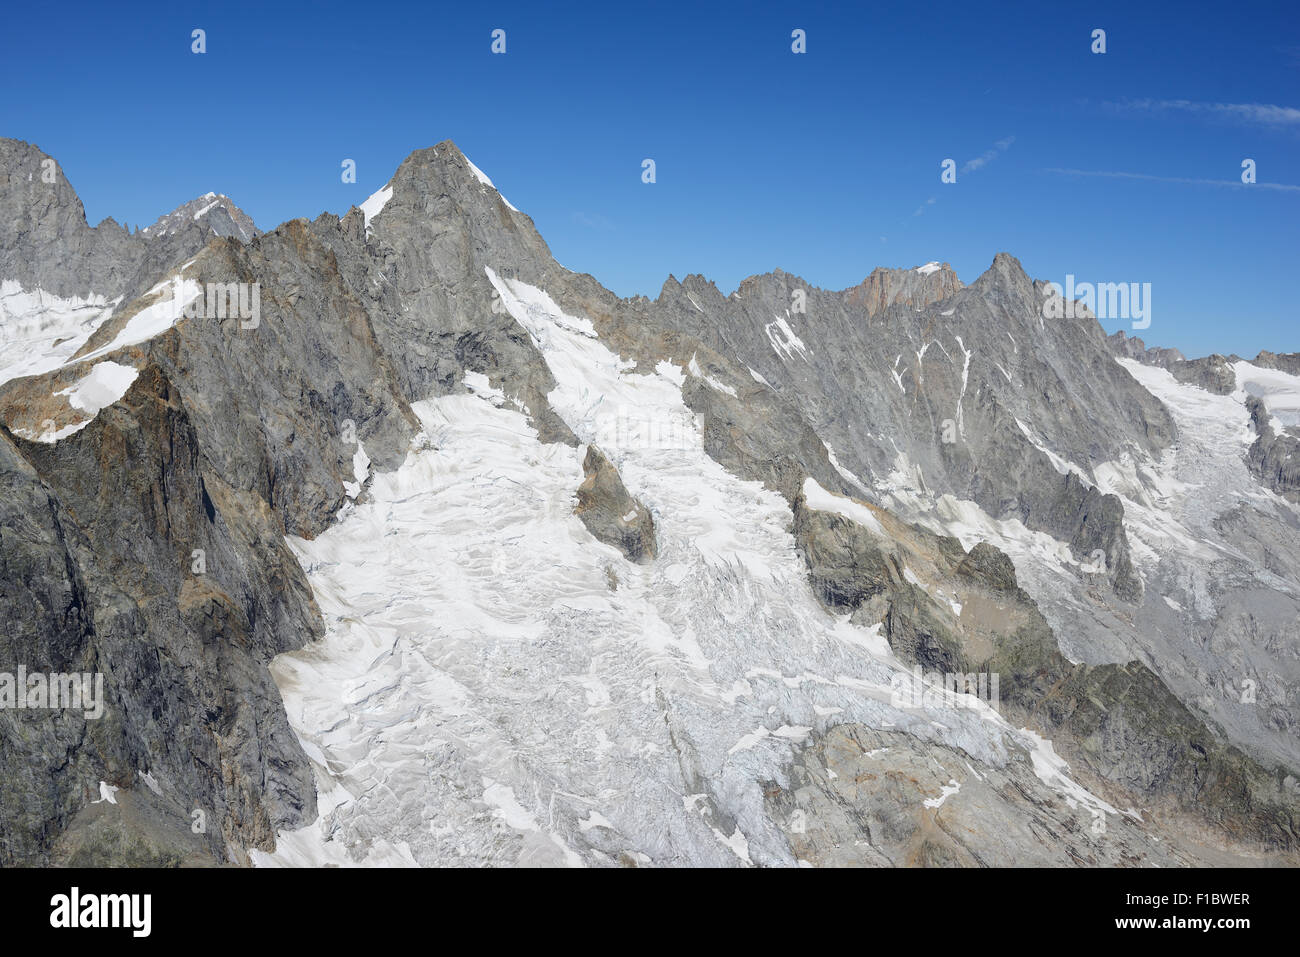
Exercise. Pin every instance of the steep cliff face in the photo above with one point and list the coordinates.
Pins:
(918, 288)
(227, 434)
(962, 389)
(393, 504)
(47, 245)
(179, 592)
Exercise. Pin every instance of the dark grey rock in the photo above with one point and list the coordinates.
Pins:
(610, 512)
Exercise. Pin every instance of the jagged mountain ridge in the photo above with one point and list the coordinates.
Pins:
(383, 318)
(63, 277)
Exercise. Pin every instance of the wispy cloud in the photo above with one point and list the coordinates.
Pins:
(970, 166)
(1265, 114)
(1185, 180)
(988, 156)
(592, 220)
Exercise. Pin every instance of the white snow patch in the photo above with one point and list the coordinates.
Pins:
(903, 492)
(945, 791)
(40, 331)
(482, 178)
(375, 203)
(784, 342)
(360, 471)
(845, 473)
(105, 384)
(478, 383)
(101, 387)
(824, 501)
(695, 370)
(1279, 391)
(107, 792)
(156, 318)
(150, 783)
(1062, 466)
(965, 374)
(1053, 771)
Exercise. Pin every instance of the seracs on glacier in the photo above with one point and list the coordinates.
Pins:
(498, 687)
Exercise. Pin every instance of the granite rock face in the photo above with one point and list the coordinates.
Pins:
(610, 512)
(1274, 456)
(949, 387)
(46, 243)
(917, 813)
(180, 591)
(917, 287)
(1118, 725)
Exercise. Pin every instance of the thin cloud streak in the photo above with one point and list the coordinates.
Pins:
(1000, 147)
(970, 166)
(592, 220)
(1184, 180)
(1266, 114)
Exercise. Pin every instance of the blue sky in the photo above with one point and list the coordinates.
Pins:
(824, 164)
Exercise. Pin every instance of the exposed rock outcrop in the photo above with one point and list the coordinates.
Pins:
(610, 513)
(1274, 456)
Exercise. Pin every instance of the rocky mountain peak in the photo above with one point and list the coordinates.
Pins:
(918, 286)
(444, 167)
(215, 212)
(1007, 274)
(1133, 347)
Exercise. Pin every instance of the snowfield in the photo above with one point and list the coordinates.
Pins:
(498, 687)
(40, 332)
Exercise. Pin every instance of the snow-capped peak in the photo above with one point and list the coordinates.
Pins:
(214, 211)
(482, 177)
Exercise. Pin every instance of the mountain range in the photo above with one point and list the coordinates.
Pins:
(397, 542)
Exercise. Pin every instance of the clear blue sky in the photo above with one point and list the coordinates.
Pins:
(815, 163)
